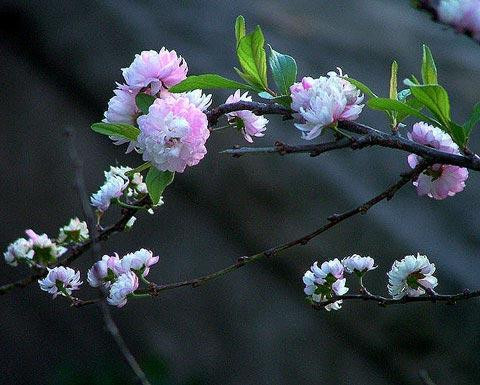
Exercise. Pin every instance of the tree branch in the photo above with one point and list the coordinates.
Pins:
(333, 220)
(369, 137)
(384, 301)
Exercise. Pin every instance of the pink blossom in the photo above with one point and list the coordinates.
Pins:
(323, 102)
(103, 271)
(156, 70)
(432, 136)
(60, 281)
(173, 134)
(438, 181)
(139, 261)
(122, 108)
(124, 285)
(441, 181)
(249, 123)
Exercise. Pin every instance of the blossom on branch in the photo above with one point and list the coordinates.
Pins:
(19, 251)
(324, 282)
(323, 102)
(124, 285)
(156, 70)
(438, 181)
(76, 231)
(196, 97)
(173, 134)
(103, 271)
(411, 276)
(139, 261)
(60, 281)
(358, 264)
(246, 121)
(45, 250)
(112, 188)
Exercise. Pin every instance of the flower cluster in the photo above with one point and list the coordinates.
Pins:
(412, 277)
(117, 183)
(246, 121)
(323, 102)
(174, 131)
(463, 15)
(120, 275)
(438, 181)
(37, 249)
(324, 282)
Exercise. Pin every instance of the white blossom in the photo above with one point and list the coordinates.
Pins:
(112, 188)
(17, 251)
(124, 285)
(324, 282)
(138, 261)
(359, 264)
(75, 231)
(410, 276)
(103, 271)
(60, 281)
(45, 250)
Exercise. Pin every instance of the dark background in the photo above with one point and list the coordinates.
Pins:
(59, 62)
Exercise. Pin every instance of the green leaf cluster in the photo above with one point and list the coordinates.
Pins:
(429, 96)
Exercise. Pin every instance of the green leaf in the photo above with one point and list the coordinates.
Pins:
(435, 99)
(208, 81)
(144, 101)
(142, 167)
(362, 87)
(122, 130)
(393, 81)
(285, 100)
(472, 120)
(429, 69)
(389, 105)
(284, 71)
(458, 133)
(253, 58)
(239, 28)
(156, 182)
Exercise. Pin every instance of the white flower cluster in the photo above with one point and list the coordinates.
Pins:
(412, 277)
(120, 275)
(116, 184)
(37, 249)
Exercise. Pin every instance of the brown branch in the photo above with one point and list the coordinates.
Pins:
(332, 221)
(369, 137)
(384, 301)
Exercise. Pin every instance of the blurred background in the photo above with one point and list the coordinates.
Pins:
(59, 63)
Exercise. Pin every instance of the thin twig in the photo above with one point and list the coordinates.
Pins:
(332, 221)
(384, 301)
(88, 212)
(369, 137)
(113, 330)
